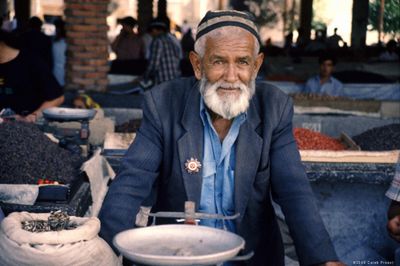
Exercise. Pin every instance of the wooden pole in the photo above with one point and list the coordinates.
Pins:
(285, 17)
(359, 23)
(306, 18)
(162, 8)
(22, 12)
(145, 14)
(380, 22)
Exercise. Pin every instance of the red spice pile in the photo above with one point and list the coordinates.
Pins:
(310, 140)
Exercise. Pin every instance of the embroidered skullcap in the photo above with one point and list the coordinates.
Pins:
(217, 19)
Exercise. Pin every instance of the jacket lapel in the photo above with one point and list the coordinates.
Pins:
(190, 145)
(248, 152)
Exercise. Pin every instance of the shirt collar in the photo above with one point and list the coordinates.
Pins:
(330, 80)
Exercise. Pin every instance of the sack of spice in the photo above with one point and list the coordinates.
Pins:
(78, 244)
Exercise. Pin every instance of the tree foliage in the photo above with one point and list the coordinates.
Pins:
(391, 17)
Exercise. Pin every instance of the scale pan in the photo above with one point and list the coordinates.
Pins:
(178, 245)
(68, 114)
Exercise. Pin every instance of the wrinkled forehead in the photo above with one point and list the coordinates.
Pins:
(232, 39)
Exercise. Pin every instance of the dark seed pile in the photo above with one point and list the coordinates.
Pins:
(383, 138)
(128, 127)
(27, 155)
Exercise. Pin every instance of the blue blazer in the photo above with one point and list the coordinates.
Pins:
(267, 164)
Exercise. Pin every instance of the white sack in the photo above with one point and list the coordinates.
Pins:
(80, 246)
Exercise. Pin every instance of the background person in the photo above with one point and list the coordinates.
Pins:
(225, 143)
(393, 225)
(334, 40)
(165, 54)
(324, 83)
(130, 50)
(187, 43)
(27, 85)
(36, 42)
(128, 45)
(390, 55)
(84, 101)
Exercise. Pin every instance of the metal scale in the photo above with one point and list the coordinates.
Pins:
(181, 244)
(75, 140)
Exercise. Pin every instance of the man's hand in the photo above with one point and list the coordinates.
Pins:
(31, 118)
(393, 227)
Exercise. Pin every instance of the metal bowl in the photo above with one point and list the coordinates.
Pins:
(178, 245)
(68, 114)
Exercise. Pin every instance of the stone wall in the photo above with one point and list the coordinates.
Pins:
(87, 52)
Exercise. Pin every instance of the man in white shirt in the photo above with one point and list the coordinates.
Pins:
(324, 83)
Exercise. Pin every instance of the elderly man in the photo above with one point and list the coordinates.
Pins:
(225, 143)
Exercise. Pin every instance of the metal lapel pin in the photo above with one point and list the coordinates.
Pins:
(192, 165)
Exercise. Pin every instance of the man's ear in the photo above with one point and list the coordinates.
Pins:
(258, 63)
(195, 60)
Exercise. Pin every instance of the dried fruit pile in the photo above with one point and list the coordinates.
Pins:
(27, 155)
(310, 140)
(317, 97)
(383, 138)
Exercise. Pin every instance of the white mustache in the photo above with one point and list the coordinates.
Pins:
(228, 106)
(234, 86)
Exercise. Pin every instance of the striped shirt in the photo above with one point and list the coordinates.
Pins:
(394, 189)
(164, 59)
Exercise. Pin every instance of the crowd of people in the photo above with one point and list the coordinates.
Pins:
(303, 45)
(157, 49)
(157, 55)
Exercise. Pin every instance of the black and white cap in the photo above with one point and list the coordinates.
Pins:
(217, 19)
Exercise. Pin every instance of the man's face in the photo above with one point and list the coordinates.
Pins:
(227, 72)
(326, 68)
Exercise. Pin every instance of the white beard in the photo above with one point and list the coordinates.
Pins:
(227, 106)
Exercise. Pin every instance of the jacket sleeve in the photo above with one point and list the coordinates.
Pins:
(139, 170)
(292, 191)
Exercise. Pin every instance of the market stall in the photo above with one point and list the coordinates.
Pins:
(37, 175)
(349, 182)
(50, 177)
